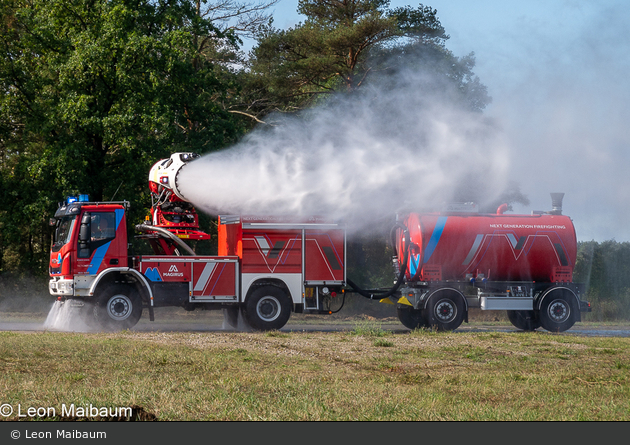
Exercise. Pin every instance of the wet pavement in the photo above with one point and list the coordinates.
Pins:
(215, 324)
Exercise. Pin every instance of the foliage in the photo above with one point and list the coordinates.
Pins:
(93, 92)
(605, 269)
(342, 44)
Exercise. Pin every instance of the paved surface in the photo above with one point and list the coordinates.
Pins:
(215, 324)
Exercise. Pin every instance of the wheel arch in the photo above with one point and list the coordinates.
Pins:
(127, 276)
(276, 282)
(564, 291)
(445, 289)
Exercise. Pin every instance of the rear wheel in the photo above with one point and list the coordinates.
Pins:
(118, 307)
(411, 318)
(524, 320)
(556, 312)
(267, 308)
(445, 311)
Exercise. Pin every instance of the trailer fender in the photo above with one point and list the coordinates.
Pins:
(427, 296)
(445, 309)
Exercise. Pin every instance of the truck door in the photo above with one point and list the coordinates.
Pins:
(102, 241)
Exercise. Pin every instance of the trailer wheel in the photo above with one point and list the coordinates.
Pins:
(445, 311)
(118, 307)
(267, 308)
(556, 313)
(411, 318)
(524, 320)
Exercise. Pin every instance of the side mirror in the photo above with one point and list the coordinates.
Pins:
(85, 230)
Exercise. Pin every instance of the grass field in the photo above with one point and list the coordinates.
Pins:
(363, 372)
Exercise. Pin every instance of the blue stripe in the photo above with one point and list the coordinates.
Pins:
(120, 213)
(413, 264)
(435, 238)
(97, 259)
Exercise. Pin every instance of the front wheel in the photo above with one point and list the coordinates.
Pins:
(556, 313)
(267, 308)
(117, 308)
(445, 311)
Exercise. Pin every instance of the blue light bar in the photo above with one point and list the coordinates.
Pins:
(71, 199)
(84, 198)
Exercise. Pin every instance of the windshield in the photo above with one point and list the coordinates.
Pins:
(63, 232)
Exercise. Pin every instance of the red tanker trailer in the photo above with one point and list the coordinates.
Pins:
(498, 247)
(459, 259)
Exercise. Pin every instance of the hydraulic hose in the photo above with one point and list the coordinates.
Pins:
(380, 294)
(166, 234)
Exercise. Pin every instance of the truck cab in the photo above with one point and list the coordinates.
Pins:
(89, 237)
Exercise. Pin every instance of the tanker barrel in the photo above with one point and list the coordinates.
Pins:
(556, 203)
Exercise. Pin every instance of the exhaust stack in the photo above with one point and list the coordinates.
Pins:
(556, 203)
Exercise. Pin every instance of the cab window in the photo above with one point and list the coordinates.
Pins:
(63, 232)
(103, 226)
(102, 229)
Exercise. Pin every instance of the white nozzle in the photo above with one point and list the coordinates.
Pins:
(164, 172)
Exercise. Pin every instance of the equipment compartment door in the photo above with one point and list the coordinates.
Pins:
(208, 278)
(214, 279)
(324, 256)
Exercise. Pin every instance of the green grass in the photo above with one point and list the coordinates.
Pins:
(364, 373)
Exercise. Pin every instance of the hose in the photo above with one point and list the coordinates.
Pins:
(343, 302)
(166, 234)
(380, 294)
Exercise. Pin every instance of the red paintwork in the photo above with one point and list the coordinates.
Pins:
(208, 275)
(324, 256)
(110, 254)
(498, 247)
(274, 250)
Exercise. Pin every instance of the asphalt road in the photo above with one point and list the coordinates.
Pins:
(214, 323)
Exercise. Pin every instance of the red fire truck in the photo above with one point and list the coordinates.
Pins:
(266, 267)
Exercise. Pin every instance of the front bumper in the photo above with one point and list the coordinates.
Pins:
(58, 286)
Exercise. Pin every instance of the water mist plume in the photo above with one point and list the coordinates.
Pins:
(357, 158)
(67, 318)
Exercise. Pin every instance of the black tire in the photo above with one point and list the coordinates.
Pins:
(118, 307)
(524, 320)
(267, 308)
(557, 314)
(411, 318)
(445, 311)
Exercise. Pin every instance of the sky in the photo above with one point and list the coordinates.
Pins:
(557, 74)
